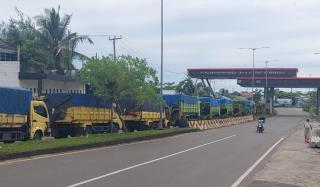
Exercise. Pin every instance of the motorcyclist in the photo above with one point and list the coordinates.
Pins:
(261, 121)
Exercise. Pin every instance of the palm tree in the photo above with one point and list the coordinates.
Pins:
(58, 39)
(224, 92)
(193, 88)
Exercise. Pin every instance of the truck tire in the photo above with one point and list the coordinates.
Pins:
(61, 134)
(154, 126)
(183, 123)
(37, 135)
(170, 125)
(76, 132)
(114, 128)
(88, 130)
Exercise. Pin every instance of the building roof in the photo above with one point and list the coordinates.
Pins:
(7, 48)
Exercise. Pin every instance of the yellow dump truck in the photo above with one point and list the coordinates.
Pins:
(79, 114)
(143, 116)
(60, 115)
(143, 120)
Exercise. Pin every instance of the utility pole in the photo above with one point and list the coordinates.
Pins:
(161, 73)
(114, 39)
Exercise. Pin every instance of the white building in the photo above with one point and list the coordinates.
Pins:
(40, 83)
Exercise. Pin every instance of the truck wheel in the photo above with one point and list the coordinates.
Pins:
(114, 128)
(76, 132)
(60, 134)
(183, 123)
(88, 130)
(154, 126)
(37, 135)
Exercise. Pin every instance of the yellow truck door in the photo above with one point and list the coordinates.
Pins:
(39, 119)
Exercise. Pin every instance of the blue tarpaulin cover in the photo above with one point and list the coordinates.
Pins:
(173, 100)
(78, 100)
(15, 100)
(212, 101)
(226, 100)
(59, 103)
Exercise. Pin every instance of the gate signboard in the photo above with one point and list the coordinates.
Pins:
(234, 73)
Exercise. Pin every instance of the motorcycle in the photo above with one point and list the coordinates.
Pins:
(260, 127)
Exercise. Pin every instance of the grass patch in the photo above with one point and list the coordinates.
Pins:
(34, 146)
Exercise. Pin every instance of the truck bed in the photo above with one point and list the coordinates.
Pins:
(86, 115)
(142, 116)
(9, 120)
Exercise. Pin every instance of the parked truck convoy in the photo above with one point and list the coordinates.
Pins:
(181, 108)
(22, 118)
(61, 115)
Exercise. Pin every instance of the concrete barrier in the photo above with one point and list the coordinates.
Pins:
(217, 123)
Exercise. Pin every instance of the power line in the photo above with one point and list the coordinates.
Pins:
(98, 35)
(134, 47)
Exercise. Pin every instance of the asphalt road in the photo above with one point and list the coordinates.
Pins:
(215, 157)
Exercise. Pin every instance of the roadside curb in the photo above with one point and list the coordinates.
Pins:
(11, 156)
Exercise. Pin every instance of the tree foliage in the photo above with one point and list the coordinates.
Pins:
(257, 94)
(224, 92)
(128, 77)
(288, 95)
(193, 88)
(169, 86)
(46, 42)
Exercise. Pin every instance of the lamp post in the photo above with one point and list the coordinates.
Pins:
(318, 95)
(253, 49)
(266, 81)
(266, 78)
(161, 73)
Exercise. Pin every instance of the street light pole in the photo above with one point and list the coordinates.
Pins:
(253, 72)
(161, 73)
(266, 81)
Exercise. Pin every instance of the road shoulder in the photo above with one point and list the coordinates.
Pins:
(293, 164)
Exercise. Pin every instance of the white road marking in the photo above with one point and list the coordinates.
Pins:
(83, 151)
(245, 174)
(148, 162)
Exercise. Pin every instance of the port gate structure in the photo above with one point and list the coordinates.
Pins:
(267, 78)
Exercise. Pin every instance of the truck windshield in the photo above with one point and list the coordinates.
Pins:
(41, 111)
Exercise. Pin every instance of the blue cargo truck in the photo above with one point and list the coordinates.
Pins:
(226, 106)
(209, 107)
(180, 108)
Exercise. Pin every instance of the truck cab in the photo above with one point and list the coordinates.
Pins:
(38, 120)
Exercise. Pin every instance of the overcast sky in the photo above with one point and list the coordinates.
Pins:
(197, 33)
